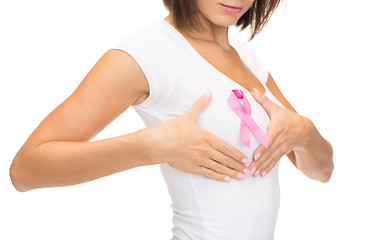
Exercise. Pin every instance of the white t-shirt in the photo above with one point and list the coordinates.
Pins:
(205, 209)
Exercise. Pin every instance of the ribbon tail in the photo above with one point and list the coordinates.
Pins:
(244, 134)
(258, 133)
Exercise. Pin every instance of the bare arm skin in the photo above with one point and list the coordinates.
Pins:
(315, 156)
(58, 153)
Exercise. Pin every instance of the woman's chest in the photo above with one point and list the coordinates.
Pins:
(226, 63)
(218, 117)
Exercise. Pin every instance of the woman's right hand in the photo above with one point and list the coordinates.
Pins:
(182, 144)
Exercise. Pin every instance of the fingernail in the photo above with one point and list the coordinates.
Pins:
(207, 94)
(227, 179)
(240, 176)
(257, 172)
(263, 173)
(245, 160)
(256, 91)
(246, 172)
(258, 155)
(253, 170)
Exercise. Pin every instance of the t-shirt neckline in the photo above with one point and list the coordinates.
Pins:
(197, 55)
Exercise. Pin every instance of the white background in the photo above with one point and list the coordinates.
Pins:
(317, 51)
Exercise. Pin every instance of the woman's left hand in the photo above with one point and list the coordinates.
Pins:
(286, 131)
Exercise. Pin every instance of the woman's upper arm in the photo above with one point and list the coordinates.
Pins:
(113, 84)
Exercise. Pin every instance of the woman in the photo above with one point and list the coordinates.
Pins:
(162, 70)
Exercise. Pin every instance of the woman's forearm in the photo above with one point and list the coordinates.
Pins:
(314, 157)
(63, 163)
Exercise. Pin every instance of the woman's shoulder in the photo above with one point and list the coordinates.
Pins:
(147, 46)
(147, 42)
(146, 35)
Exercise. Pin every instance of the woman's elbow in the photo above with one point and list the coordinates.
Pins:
(328, 174)
(330, 167)
(16, 176)
(321, 174)
(324, 174)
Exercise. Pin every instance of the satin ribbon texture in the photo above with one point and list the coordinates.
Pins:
(247, 123)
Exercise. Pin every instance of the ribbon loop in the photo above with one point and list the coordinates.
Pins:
(247, 123)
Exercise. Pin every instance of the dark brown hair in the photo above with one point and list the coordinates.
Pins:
(186, 14)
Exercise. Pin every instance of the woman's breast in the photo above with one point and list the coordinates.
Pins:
(209, 209)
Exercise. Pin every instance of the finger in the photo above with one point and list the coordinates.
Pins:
(212, 174)
(268, 165)
(274, 158)
(228, 161)
(222, 169)
(254, 167)
(258, 152)
(198, 107)
(225, 148)
(267, 170)
(271, 133)
(269, 158)
(273, 136)
(272, 148)
(260, 170)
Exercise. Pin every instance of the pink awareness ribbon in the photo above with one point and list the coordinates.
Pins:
(247, 123)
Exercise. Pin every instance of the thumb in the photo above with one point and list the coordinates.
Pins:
(266, 103)
(199, 106)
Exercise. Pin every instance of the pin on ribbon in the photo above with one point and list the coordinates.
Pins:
(247, 123)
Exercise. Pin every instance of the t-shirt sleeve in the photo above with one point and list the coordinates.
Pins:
(138, 54)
